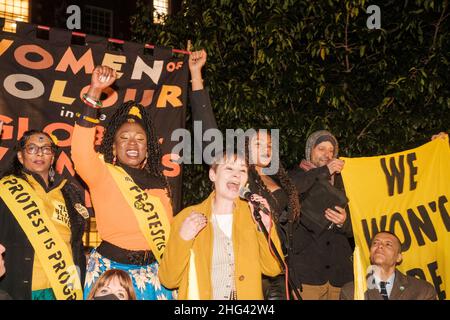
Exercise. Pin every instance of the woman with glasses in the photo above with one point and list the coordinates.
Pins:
(41, 224)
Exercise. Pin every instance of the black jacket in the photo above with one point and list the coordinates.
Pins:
(317, 258)
(4, 295)
(19, 254)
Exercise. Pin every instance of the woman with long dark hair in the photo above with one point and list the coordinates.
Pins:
(282, 197)
(129, 192)
(41, 225)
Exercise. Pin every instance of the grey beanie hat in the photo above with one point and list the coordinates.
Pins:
(317, 137)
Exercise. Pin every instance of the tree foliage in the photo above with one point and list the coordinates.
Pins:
(302, 65)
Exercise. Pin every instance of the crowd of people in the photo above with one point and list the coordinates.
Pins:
(292, 240)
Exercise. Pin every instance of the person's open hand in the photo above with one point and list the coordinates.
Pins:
(192, 225)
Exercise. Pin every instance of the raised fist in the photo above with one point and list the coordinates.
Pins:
(102, 77)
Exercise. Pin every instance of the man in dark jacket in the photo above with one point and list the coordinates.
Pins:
(387, 283)
(320, 252)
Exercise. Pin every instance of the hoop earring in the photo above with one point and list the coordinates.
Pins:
(144, 163)
(51, 174)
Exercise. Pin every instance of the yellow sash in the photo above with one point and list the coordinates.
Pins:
(148, 210)
(50, 248)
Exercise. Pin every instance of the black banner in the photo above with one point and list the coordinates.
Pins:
(42, 80)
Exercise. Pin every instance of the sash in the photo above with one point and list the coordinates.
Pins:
(148, 210)
(50, 248)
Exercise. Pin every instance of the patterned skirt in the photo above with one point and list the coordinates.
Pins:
(145, 278)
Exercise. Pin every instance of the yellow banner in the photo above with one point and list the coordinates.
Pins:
(408, 194)
(149, 211)
(50, 248)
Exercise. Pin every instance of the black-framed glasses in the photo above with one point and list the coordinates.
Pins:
(34, 149)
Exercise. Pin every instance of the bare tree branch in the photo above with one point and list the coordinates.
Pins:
(438, 24)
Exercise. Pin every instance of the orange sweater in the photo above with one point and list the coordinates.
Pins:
(116, 222)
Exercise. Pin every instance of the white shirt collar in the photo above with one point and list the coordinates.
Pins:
(389, 283)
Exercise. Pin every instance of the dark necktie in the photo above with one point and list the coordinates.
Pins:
(383, 290)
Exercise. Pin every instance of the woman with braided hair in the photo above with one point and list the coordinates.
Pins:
(282, 197)
(42, 222)
(129, 192)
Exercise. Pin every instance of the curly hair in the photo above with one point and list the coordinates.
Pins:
(153, 165)
(284, 182)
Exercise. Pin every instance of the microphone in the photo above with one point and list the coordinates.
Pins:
(245, 194)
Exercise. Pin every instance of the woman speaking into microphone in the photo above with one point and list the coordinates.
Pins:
(216, 250)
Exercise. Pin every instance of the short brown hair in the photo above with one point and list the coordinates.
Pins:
(221, 158)
(105, 278)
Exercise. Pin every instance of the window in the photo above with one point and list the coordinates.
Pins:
(14, 10)
(161, 8)
(98, 21)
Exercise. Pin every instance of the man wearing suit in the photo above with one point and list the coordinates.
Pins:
(387, 282)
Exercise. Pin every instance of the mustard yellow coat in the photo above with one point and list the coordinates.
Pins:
(251, 251)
